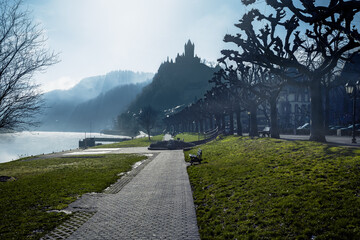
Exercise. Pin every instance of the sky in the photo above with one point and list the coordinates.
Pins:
(95, 37)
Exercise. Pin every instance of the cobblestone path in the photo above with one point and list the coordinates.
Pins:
(156, 204)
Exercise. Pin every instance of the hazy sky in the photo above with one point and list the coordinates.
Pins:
(97, 36)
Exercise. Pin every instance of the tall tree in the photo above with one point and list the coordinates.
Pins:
(147, 119)
(227, 80)
(281, 43)
(270, 88)
(22, 53)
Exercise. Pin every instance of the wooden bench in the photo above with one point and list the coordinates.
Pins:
(265, 132)
(196, 158)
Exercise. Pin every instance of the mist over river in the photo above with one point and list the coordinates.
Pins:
(16, 145)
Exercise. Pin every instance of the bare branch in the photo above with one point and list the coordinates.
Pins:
(22, 53)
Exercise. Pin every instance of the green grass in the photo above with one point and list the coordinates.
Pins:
(136, 142)
(189, 137)
(51, 184)
(274, 189)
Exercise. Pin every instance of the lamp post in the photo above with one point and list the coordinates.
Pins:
(249, 115)
(353, 90)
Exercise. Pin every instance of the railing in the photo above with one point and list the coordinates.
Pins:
(209, 135)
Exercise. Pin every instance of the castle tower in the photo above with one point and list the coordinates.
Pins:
(189, 49)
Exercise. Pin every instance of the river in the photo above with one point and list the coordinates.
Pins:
(17, 145)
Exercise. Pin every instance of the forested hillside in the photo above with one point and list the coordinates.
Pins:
(175, 84)
(62, 107)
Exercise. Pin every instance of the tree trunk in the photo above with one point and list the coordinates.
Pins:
(217, 121)
(327, 109)
(223, 122)
(231, 115)
(148, 130)
(211, 122)
(238, 122)
(274, 129)
(254, 132)
(201, 125)
(317, 118)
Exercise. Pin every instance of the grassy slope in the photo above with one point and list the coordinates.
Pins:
(189, 137)
(49, 184)
(266, 188)
(137, 142)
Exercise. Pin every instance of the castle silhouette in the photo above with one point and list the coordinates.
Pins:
(188, 56)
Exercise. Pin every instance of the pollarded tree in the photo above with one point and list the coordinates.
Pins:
(252, 86)
(339, 15)
(223, 101)
(22, 53)
(247, 80)
(281, 43)
(270, 88)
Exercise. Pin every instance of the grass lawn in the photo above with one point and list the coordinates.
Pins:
(136, 142)
(189, 137)
(275, 189)
(50, 184)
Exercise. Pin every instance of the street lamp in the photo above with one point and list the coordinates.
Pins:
(353, 90)
(249, 115)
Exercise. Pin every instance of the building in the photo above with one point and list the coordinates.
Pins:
(293, 107)
(188, 56)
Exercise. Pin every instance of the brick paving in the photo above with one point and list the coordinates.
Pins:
(156, 204)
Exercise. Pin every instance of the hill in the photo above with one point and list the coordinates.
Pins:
(61, 104)
(99, 113)
(177, 82)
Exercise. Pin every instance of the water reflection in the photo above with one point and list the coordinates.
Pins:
(17, 145)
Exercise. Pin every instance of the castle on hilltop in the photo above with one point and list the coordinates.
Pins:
(188, 56)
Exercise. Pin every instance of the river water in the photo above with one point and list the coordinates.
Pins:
(16, 145)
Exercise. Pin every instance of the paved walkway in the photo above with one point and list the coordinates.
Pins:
(156, 204)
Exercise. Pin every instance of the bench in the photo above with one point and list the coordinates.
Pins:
(265, 132)
(196, 158)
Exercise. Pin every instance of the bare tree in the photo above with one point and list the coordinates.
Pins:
(147, 118)
(338, 15)
(22, 53)
(280, 44)
(270, 88)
